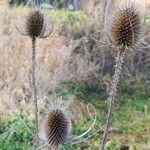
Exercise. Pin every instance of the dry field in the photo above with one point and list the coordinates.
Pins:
(15, 62)
(73, 52)
(59, 57)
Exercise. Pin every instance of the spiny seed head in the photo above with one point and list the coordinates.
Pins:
(35, 24)
(126, 27)
(58, 125)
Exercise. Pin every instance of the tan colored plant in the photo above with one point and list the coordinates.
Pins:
(125, 34)
(35, 27)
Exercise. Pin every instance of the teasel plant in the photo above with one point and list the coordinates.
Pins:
(125, 33)
(35, 26)
(56, 126)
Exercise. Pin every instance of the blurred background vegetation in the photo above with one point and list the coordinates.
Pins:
(74, 65)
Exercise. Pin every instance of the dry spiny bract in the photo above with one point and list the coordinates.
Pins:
(126, 27)
(58, 126)
(35, 24)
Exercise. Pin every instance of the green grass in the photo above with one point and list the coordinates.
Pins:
(14, 135)
(73, 20)
(147, 19)
(131, 121)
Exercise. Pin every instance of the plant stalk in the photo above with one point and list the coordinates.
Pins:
(35, 88)
(118, 68)
(107, 8)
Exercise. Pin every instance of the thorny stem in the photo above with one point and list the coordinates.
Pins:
(113, 89)
(34, 88)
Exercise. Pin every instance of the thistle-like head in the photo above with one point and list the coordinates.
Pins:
(58, 125)
(57, 129)
(35, 25)
(126, 27)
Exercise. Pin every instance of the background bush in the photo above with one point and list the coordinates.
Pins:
(14, 135)
(58, 3)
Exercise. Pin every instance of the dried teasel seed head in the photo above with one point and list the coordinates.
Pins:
(126, 27)
(58, 125)
(34, 24)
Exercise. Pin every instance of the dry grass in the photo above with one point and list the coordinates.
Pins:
(53, 54)
(61, 56)
(15, 61)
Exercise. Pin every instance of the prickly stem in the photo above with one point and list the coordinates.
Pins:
(35, 88)
(112, 94)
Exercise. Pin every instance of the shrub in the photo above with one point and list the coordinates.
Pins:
(13, 133)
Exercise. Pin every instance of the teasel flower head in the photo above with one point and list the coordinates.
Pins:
(57, 128)
(35, 25)
(126, 27)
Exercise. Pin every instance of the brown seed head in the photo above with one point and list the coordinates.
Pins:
(35, 24)
(57, 127)
(126, 27)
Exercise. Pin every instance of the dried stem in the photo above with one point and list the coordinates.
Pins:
(35, 88)
(116, 77)
(106, 10)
